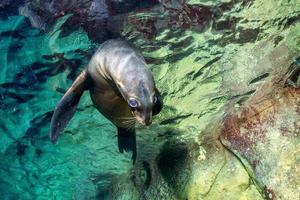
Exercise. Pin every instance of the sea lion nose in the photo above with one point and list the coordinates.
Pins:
(144, 118)
(147, 122)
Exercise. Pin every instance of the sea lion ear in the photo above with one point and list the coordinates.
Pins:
(66, 107)
(157, 107)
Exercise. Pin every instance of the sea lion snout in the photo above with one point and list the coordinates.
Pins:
(146, 122)
(144, 118)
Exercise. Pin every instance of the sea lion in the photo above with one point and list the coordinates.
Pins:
(121, 87)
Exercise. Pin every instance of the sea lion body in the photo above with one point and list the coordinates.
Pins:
(117, 63)
(121, 87)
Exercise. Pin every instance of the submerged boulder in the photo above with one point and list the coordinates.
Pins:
(264, 131)
(99, 18)
(235, 85)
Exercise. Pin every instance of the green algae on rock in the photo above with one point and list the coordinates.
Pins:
(242, 64)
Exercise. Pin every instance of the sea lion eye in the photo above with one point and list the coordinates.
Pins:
(133, 103)
(154, 99)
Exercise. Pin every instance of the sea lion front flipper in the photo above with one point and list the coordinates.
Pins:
(127, 141)
(159, 103)
(66, 107)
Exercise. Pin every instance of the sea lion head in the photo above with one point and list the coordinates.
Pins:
(141, 104)
(140, 97)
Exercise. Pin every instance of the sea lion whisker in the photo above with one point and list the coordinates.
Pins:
(129, 122)
(125, 118)
(130, 127)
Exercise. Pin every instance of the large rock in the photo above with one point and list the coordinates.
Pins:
(99, 18)
(236, 80)
(264, 131)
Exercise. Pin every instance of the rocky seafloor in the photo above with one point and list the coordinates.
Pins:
(229, 74)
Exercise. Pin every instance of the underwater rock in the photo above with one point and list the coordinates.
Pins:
(103, 20)
(257, 102)
(181, 15)
(91, 15)
(98, 18)
(9, 7)
(264, 131)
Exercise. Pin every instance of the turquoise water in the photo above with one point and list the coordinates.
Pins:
(228, 71)
(31, 166)
(37, 67)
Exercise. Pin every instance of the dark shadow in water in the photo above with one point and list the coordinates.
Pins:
(103, 182)
(21, 149)
(294, 75)
(33, 133)
(39, 72)
(174, 119)
(178, 46)
(12, 33)
(9, 98)
(147, 175)
(176, 56)
(259, 78)
(172, 163)
(162, 169)
(9, 8)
